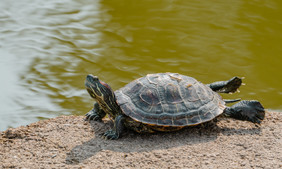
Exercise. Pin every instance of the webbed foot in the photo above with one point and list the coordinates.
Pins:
(246, 110)
(229, 86)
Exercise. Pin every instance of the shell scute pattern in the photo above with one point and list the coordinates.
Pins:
(169, 99)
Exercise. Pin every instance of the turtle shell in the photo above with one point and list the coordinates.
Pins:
(169, 99)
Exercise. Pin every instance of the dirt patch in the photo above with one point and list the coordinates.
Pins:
(70, 142)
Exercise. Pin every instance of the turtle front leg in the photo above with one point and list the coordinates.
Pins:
(116, 131)
(229, 86)
(246, 110)
(96, 113)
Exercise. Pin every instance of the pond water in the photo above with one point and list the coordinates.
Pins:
(48, 47)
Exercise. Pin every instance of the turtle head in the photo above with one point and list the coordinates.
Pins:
(97, 88)
(103, 94)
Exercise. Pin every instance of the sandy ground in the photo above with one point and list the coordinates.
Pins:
(70, 142)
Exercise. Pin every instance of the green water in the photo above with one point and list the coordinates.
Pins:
(48, 47)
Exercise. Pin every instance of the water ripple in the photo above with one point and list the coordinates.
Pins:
(48, 47)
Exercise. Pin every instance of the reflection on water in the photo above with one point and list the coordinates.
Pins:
(48, 47)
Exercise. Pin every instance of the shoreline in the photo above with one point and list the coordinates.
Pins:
(70, 142)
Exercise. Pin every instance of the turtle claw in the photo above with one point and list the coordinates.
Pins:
(95, 114)
(110, 135)
(92, 115)
(116, 131)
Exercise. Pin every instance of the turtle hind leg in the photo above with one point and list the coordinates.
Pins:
(229, 86)
(116, 131)
(246, 110)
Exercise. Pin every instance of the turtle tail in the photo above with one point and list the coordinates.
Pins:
(231, 100)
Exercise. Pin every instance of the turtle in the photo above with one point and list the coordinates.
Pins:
(166, 102)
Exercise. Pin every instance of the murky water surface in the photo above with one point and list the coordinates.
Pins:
(48, 47)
